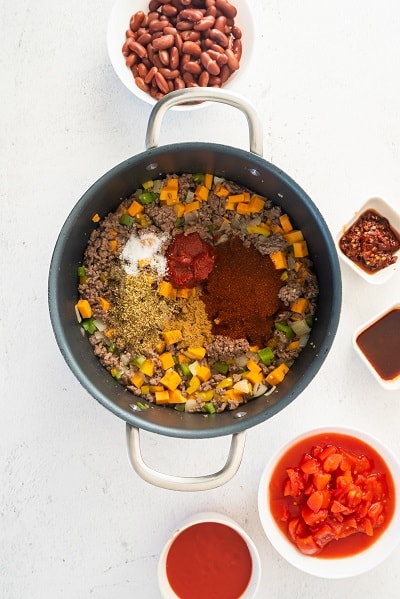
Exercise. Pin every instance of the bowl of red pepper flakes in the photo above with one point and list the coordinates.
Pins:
(370, 242)
(328, 502)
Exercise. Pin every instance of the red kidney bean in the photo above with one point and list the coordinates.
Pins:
(220, 23)
(191, 48)
(169, 73)
(204, 23)
(218, 36)
(192, 67)
(204, 79)
(164, 57)
(141, 84)
(169, 10)
(232, 60)
(137, 20)
(161, 82)
(226, 8)
(236, 32)
(190, 14)
(184, 25)
(209, 64)
(164, 42)
(237, 48)
(174, 58)
(131, 60)
(179, 83)
(144, 39)
(137, 48)
(154, 5)
(150, 75)
(142, 70)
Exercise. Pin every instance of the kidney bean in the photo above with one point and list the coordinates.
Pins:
(186, 2)
(144, 39)
(190, 14)
(169, 73)
(225, 73)
(209, 64)
(191, 48)
(137, 20)
(226, 8)
(161, 82)
(169, 10)
(164, 42)
(156, 25)
(218, 36)
(192, 67)
(204, 23)
(237, 48)
(142, 70)
(236, 32)
(137, 48)
(179, 83)
(220, 23)
(174, 58)
(141, 84)
(131, 60)
(204, 79)
(232, 60)
(184, 25)
(150, 75)
(154, 5)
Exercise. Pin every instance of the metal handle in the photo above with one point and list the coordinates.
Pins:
(183, 483)
(205, 94)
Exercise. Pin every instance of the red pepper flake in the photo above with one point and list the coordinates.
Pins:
(370, 242)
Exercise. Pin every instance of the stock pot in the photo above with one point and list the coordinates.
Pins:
(247, 168)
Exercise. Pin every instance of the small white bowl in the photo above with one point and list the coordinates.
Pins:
(391, 384)
(119, 22)
(251, 589)
(386, 210)
(332, 568)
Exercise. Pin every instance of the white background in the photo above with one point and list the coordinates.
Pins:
(75, 519)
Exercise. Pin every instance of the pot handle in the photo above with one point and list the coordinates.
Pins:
(205, 94)
(183, 483)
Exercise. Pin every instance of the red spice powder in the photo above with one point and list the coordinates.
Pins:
(241, 293)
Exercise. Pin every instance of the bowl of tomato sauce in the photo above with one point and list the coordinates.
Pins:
(328, 501)
(211, 556)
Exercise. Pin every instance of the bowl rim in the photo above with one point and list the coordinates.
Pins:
(336, 568)
(387, 210)
(393, 384)
(220, 518)
(118, 20)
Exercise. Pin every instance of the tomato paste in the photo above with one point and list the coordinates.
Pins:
(189, 260)
(332, 494)
(209, 560)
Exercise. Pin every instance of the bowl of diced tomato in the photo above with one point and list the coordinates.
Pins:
(329, 502)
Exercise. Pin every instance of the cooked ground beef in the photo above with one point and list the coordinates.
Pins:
(232, 370)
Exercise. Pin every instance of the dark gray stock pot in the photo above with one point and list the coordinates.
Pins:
(249, 169)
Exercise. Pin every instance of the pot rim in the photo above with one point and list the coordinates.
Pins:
(191, 425)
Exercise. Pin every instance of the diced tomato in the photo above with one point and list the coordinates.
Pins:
(324, 535)
(329, 450)
(307, 545)
(315, 501)
(296, 482)
(312, 518)
(374, 512)
(321, 480)
(332, 462)
(294, 528)
(310, 466)
(362, 464)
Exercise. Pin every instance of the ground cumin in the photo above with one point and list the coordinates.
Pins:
(192, 320)
(241, 293)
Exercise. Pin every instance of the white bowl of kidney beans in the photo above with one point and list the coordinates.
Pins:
(328, 501)
(159, 46)
(370, 241)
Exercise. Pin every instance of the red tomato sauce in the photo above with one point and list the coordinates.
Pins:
(332, 495)
(189, 260)
(209, 561)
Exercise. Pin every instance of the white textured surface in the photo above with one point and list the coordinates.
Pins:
(75, 520)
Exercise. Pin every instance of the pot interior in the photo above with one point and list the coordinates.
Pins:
(104, 196)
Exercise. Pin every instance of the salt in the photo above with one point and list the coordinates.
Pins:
(144, 250)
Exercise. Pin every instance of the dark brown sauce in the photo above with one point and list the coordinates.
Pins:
(380, 343)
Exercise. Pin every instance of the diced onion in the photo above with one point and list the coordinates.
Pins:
(303, 340)
(259, 389)
(241, 360)
(190, 405)
(99, 324)
(300, 327)
(193, 367)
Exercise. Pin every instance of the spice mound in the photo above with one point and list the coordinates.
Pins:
(196, 293)
(370, 242)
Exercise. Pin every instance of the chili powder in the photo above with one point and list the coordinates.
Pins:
(241, 293)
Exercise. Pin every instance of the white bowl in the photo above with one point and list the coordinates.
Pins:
(332, 568)
(386, 210)
(394, 383)
(249, 593)
(119, 22)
